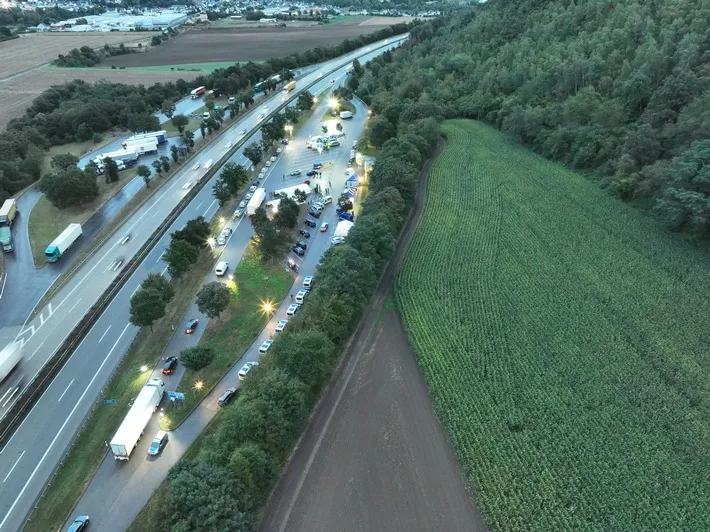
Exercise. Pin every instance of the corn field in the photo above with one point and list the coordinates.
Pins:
(564, 336)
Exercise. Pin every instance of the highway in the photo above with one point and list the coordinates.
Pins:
(120, 489)
(35, 449)
(23, 285)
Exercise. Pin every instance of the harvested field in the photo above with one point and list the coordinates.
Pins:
(33, 50)
(244, 44)
(16, 94)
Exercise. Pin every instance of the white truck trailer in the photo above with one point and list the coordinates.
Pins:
(256, 200)
(141, 146)
(125, 156)
(130, 431)
(10, 356)
(161, 137)
(63, 242)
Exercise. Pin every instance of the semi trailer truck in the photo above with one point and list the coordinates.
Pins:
(63, 242)
(161, 137)
(141, 146)
(133, 425)
(196, 93)
(256, 200)
(10, 356)
(8, 211)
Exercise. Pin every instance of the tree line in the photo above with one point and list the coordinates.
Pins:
(619, 89)
(78, 111)
(43, 15)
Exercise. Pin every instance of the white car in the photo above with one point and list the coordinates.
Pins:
(242, 132)
(267, 163)
(238, 213)
(252, 189)
(208, 164)
(265, 108)
(280, 326)
(195, 166)
(266, 344)
(295, 172)
(224, 235)
(337, 240)
(259, 118)
(279, 149)
(273, 159)
(246, 368)
(308, 282)
(349, 170)
(292, 309)
(248, 196)
(228, 145)
(242, 204)
(221, 268)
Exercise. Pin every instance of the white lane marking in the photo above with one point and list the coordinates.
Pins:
(13, 467)
(165, 270)
(4, 280)
(161, 257)
(136, 290)
(65, 391)
(104, 334)
(3, 398)
(74, 306)
(35, 351)
(208, 208)
(200, 205)
(61, 429)
(14, 391)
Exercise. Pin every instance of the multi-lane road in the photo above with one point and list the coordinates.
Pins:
(33, 452)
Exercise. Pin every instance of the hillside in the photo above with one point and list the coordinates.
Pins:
(568, 359)
(619, 88)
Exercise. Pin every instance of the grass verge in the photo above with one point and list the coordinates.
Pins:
(231, 334)
(47, 221)
(88, 449)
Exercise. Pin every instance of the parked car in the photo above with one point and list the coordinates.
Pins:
(273, 159)
(309, 223)
(227, 396)
(81, 523)
(323, 227)
(248, 196)
(308, 282)
(314, 212)
(284, 141)
(304, 233)
(301, 244)
(253, 186)
(280, 326)
(265, 345)
(238, 213)
(298, 251)
(158, 443)
(267, 163)
(292, 309)
(246, 368)
(169, 365)
(191, 325)
(337, 240)
(242, 204)
(224, 235)
(221, 268)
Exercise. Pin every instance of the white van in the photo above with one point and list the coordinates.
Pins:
(299, 296)
(221, 268)
(327, 200)
(308, 282)
(206, 115)
(231, 100)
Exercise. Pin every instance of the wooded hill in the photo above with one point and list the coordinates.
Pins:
(615, 87)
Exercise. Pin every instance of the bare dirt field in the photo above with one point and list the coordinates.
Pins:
(17, 93)
(33, 50)
(244, 44)
(374, 456)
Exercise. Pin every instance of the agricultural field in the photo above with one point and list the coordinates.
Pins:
(569, 358)
(246, 43)
(17, 93)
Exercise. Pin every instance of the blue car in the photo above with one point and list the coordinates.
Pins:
(347, 216)
(81, 522)
(317, 166)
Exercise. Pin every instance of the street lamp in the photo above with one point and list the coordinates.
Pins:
(199, 385)
(290, 130)
(333, 102)
(211, 242)
(144, 368)
(267, 307)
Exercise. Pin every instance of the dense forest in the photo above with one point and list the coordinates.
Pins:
(617, 88)
(78, 111)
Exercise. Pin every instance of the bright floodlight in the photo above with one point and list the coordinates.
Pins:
(199, 385)
(222, 220)
(267, 307)
(211, 242)
(333, 103)
(144, 368)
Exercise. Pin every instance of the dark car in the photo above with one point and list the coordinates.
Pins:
(158, 443)
(284, 141)
(314, 213)
(255, 183)
(298, 251)
(311, 173)
(227, 396)
(304, 233)
(81, 522)
(309, 223)
(301, 244)
(191, 325)
(316, 166)
(169, 366)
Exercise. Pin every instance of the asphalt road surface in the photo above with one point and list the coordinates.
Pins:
(374, 456)
(33, 452)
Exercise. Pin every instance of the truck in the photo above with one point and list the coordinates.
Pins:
(161, 137)
(196, 93)
(256, 200)
(10, 356)
(141, 146)
(6, 239)
(8, 211)
(346, 114)
(133, 425)
(125, 156)
(289, 86)
(63, 242)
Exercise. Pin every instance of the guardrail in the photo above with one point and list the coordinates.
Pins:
(44, 377)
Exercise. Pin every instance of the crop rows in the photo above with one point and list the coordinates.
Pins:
(564, 337)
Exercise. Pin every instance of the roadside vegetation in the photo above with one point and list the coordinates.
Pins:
(255, 435)
(571, 344)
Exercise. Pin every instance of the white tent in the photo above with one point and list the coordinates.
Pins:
(343, 228)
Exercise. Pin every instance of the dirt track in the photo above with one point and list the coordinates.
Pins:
(242, 44)
(374, 457)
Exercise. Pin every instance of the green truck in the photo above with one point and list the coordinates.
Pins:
(6, 239)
